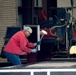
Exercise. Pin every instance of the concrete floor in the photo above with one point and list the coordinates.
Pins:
(54, 63)
(46, 65)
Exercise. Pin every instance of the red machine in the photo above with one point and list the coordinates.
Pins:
(49, 35)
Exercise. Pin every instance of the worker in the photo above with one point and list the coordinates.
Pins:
(19, 45)
(42, 19)
(42, 15)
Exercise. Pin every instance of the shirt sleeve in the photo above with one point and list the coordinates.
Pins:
(23, 53)
(31, 45)
(23, 45)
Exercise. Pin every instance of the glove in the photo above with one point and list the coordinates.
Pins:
(34, 50)
(38, 43)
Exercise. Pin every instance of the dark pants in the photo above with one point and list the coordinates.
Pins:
(13, 58)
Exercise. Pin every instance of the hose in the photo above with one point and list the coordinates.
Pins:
(54, 34)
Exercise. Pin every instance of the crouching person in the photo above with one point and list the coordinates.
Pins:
(19, 45)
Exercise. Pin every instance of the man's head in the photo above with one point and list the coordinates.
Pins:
(27, 30)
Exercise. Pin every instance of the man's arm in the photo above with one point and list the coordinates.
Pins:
(23, 45)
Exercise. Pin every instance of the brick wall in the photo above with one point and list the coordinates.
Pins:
(8, 17)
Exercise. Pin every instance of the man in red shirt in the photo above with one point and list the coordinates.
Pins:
(19, 45)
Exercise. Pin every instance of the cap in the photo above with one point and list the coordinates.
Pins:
(27, 28)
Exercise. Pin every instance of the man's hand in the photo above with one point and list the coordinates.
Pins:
(34, 50)
(37, 43)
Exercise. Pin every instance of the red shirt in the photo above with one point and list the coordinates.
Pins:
(19, 44)
(42, 15)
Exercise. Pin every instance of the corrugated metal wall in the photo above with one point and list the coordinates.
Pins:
(8, 17)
